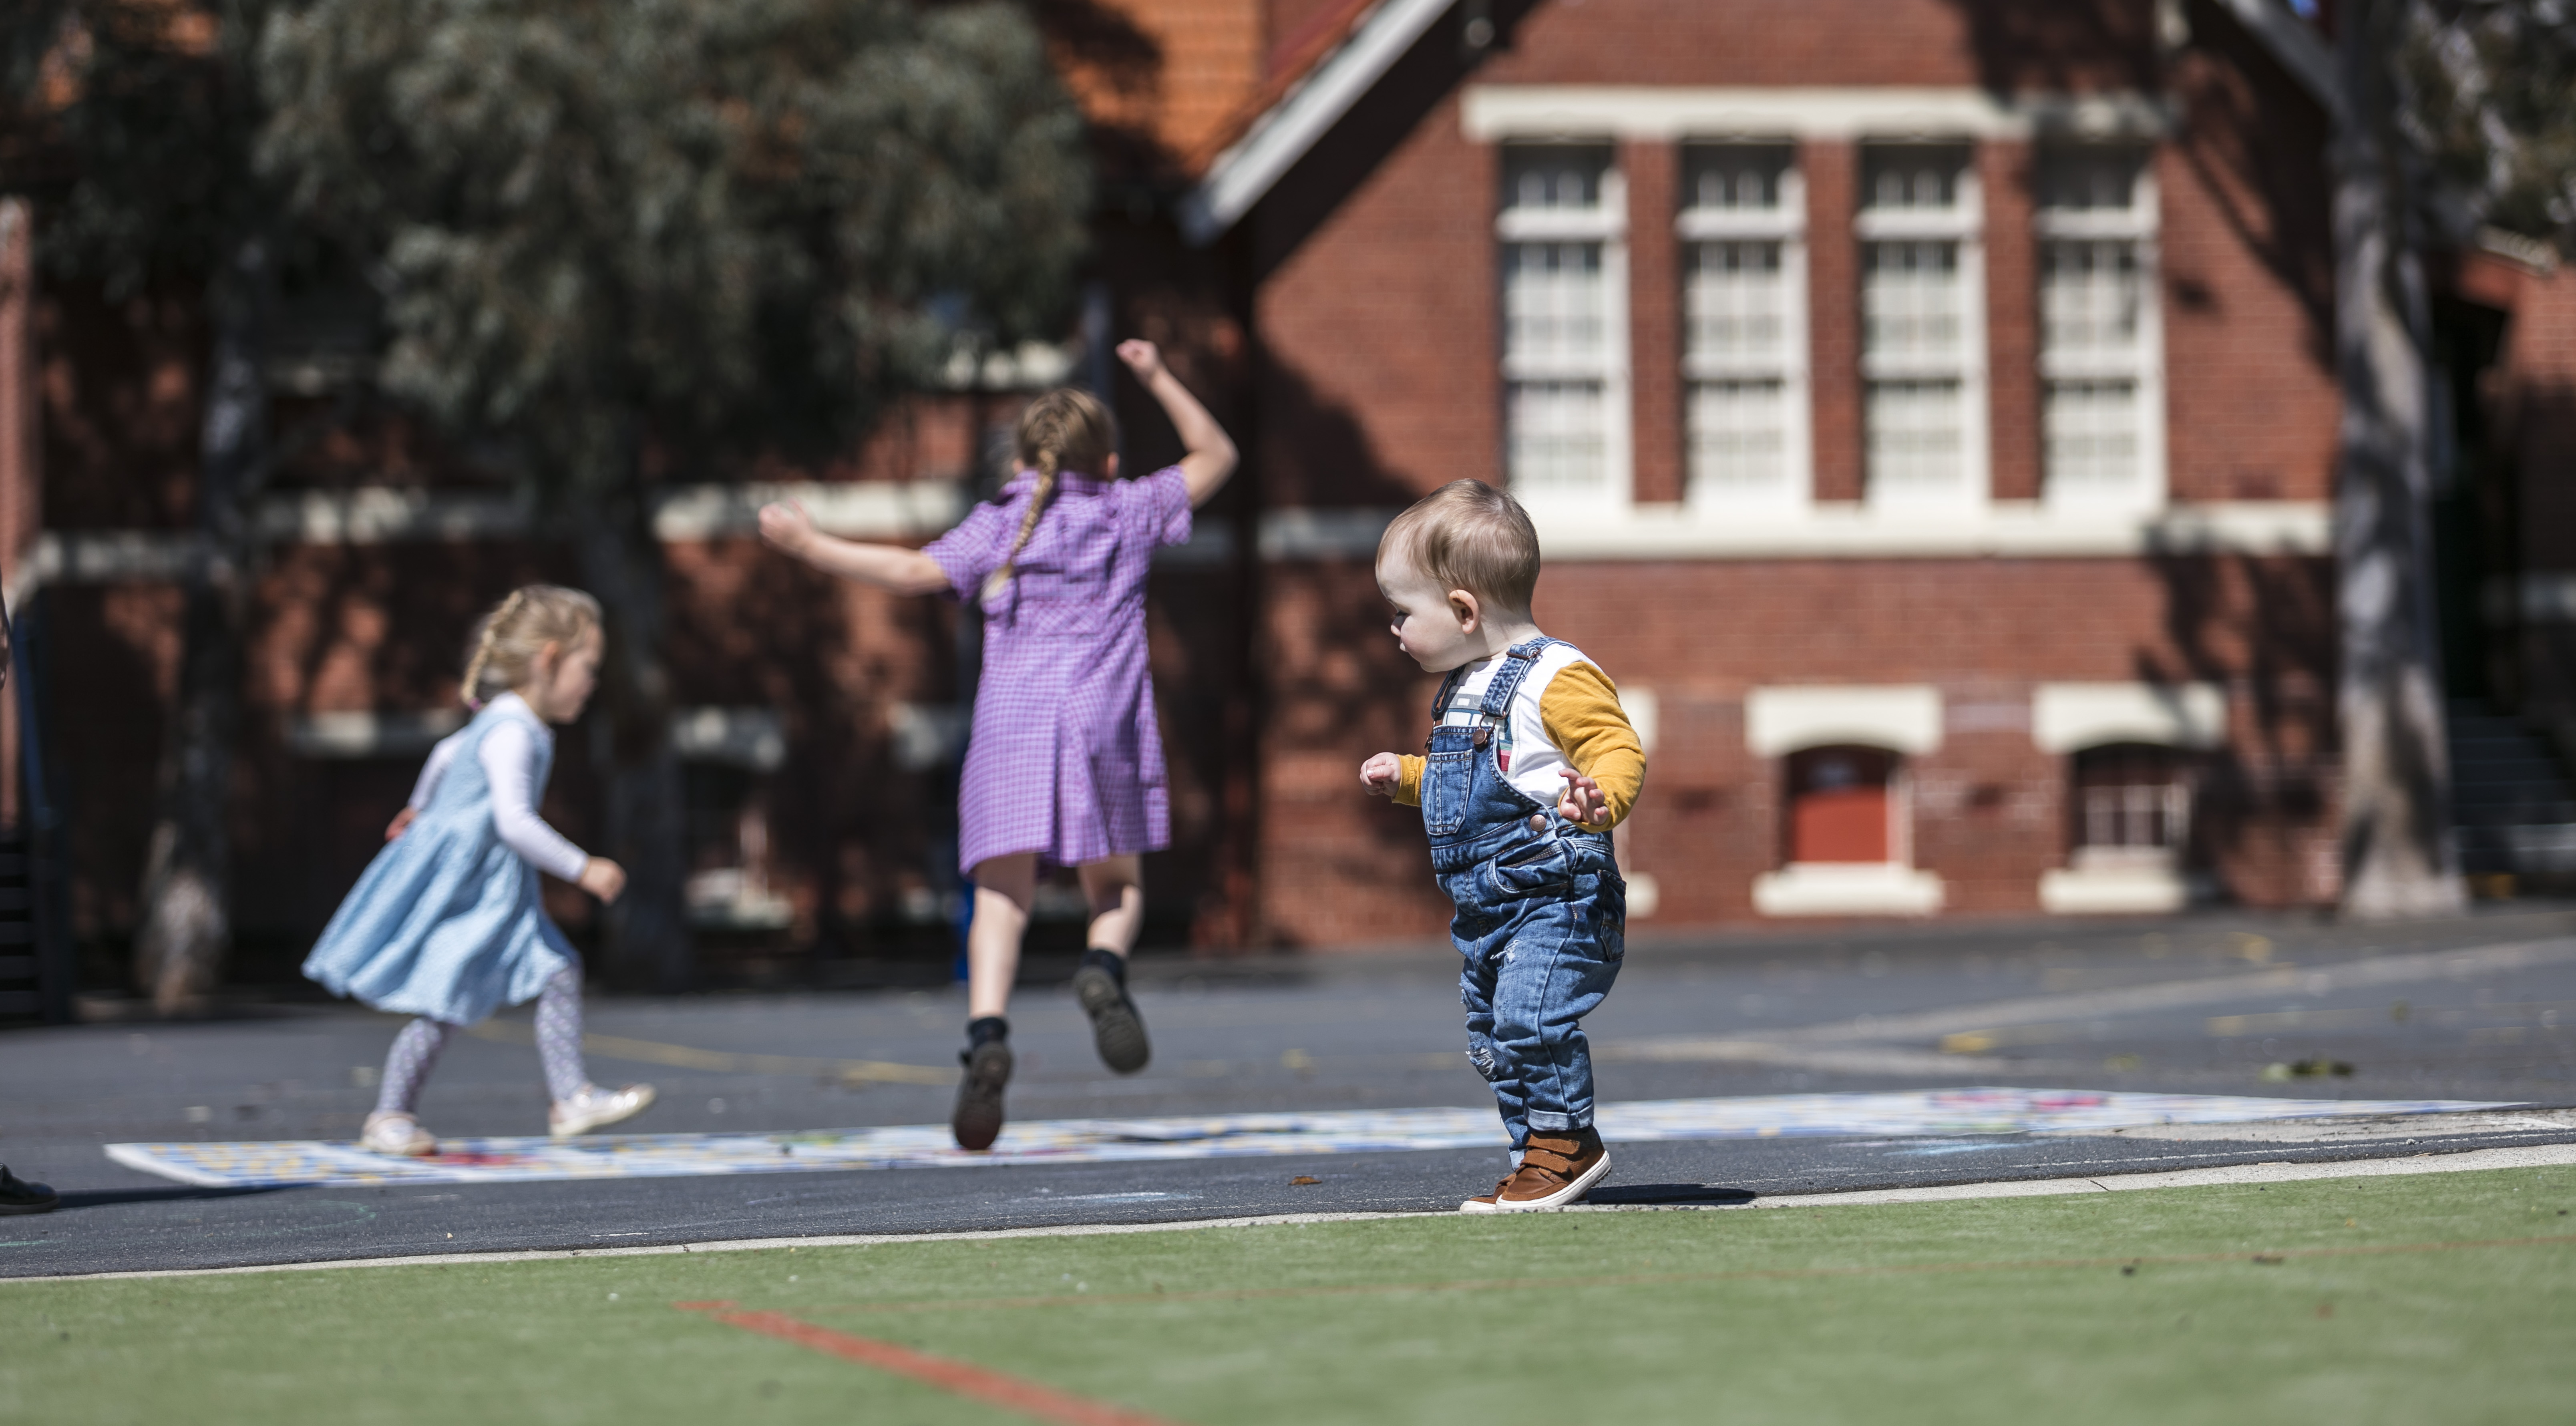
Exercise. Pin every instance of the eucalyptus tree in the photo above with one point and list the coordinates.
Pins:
(138, 118)
(2449, 114)
(621, 239)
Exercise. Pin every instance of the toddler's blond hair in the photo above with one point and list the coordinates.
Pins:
(508, 639)
(1468, 535)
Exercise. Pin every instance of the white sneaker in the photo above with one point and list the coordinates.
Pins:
(397, 1134)
(595, 1108)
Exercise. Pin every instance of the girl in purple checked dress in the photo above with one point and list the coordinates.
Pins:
(1064, 766)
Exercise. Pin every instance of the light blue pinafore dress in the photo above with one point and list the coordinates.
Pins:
(446, 922)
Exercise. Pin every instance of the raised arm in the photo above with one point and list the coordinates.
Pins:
(1211, 455)
(787, 527)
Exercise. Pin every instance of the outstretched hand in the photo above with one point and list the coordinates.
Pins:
(603, 878)
(1583, 801)
(1142, 357)
(785, 525)
(1382, 774)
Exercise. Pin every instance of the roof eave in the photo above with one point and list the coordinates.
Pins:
(1247, 170)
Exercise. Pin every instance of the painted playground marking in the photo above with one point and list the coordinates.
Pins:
(2469, 1161)
(1219, 1136)
(1010, 1393)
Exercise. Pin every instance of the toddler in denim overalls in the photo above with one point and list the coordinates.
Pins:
(1529, 764)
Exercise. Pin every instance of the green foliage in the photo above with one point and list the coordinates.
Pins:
(146, 109)
(2491, 106)
(745, 221)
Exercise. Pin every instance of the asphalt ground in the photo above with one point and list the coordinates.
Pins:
(2481, 1008)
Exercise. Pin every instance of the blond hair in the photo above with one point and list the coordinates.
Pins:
(1067, 429)
(507, 640)
(1468, 535)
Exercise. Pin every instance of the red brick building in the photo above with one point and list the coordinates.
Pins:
(1927, 406)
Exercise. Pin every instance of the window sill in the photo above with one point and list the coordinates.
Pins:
(2113, 890)
(1847, 889)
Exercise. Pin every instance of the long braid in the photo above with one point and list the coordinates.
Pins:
(1063, 430)
(1001, 578)
(473, 686)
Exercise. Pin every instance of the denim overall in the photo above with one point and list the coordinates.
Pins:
(1542, 913)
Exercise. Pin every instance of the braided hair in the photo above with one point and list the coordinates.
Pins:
(1064, 430)
(507, 641)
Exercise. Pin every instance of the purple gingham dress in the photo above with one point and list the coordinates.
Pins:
(1064, 759)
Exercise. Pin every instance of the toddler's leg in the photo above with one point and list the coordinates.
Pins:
(408, 1063)
(1554, 972)
(1476, 991)
(559, 1035)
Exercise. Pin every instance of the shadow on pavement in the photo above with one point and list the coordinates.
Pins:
(1653, 1193)
(105, 1198)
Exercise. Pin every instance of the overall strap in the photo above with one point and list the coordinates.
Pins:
(1518, 660)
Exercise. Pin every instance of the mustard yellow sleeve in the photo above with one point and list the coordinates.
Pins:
(1408, 785)
(1581, 714)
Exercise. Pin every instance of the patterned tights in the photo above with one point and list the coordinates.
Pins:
(417, 1048)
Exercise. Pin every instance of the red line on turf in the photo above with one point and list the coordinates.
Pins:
(958, 1378)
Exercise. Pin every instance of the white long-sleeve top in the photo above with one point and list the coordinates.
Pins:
(509, 757)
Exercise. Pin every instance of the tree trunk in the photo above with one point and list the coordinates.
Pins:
(2397, 859)
(187, 880)
(647, 945)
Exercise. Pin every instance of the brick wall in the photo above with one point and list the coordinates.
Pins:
(1377, 332)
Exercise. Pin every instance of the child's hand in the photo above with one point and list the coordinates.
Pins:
(1380, 774)
(1583, 801)
(1142, 357)
(603, 878)
(785, 525)
(401, 820)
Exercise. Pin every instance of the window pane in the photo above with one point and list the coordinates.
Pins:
(1556, 434)
(1555, 305)
(1915, 436)
(1916, 176)
(2091, 430)
(2132, 797)
(1738, 433)
(1737, 303)
(2089, 298)
(1559, 176)
(2090, 179)
(1733, 177)
(1911, 301)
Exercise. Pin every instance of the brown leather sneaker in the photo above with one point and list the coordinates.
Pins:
(1556, 1169)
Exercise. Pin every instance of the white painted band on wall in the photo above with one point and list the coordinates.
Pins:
(2547, 597)
(1904, 718)
(917, 510)
(754, 738)
(369, 735)
(1492, 113)
(2067, 717)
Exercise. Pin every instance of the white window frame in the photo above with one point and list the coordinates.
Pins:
(2145, 365)
(1963, 223)
(1785, 224)
(1606, 224)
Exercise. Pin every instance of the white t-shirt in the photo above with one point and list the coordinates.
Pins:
(1522, 750)
(509, 758)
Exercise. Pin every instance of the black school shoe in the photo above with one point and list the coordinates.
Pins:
(1116, 1029)
(978, 1119)
(19, 1196)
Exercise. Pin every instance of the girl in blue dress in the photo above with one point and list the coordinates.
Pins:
(446, 925)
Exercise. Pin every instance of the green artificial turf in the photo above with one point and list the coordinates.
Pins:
(2435, 1297)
